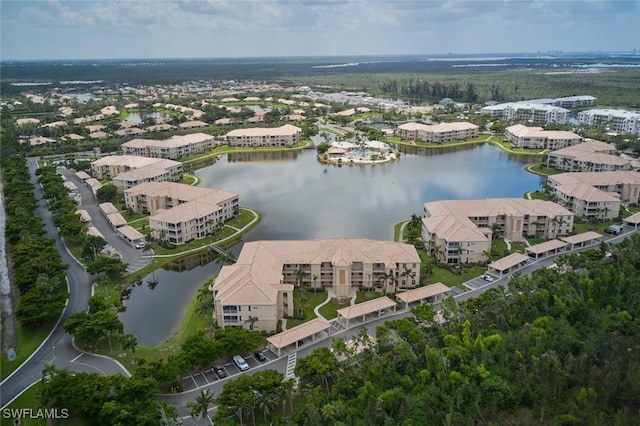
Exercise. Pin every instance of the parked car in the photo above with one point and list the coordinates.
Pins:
(613, 229)
(240, 363)
(260, 356)
(220, 372)
(487, 278)
(141, 245)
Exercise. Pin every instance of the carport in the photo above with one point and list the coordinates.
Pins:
(422, 294)
(633, 221)
(295, 334)
(364, 308)
(129, 234)
(508, 263)
(545, 249)
(582, 240)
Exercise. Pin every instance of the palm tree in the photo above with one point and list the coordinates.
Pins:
(415, 222)
(384, 277)
(437, 252)
(108, 334)
(129, 341)
(251, 321)
(487, 255)
(300, 274)
(198, 408)
(315, 281)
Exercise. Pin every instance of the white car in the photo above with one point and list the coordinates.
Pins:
(487, 278)
(240, 363)
(141, 245)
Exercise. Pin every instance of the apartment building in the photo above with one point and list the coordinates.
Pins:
(179, 212)
(112, 166)
(258, 288)
(528, 111)
(588, 201)
(522, 136)
(626, 184)
(173, 148)
(619, 120)
(437, 133)
(460, 231)
(287, 135)
(589, 156)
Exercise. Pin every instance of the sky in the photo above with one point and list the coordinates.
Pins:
(118, 29)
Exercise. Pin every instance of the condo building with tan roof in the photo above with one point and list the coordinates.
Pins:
(127, 171)
(287, 135)
(173, 148)
(437, 133)
(179, 212)
(460, 231)
(522, 136)
(588, 201)
(622, 184)
(589, 156)
(260, 284)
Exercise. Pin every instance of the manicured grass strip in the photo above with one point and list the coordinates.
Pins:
(28, 340)
(330, 310)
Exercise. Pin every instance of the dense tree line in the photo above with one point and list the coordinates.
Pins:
(37, 269)
(424, 90)
(559, 347)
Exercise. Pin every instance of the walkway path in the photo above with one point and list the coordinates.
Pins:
(316, 310)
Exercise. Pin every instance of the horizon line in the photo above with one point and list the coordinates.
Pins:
(384, 55)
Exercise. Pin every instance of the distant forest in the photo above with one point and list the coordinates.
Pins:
(418, 79)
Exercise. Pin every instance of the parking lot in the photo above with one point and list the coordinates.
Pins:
(208, 376)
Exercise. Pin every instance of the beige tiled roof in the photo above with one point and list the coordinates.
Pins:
(82, 175)
(581, 238)
(133, 161)
(633, 219)
(367, 307)
(259, 264)
(586, 146)
(177, 191)
(508, 261)
(438, 128)
(291, 336)
(421, 293)
(597, 178)
(130, 232)
(546, 246)
(286, 130)
(586, 192)
(108, 208)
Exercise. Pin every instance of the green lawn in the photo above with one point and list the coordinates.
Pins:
(539, 195)
(364, 296)
(498, 246)
(454, 280)
(29, 399)
(539, 169)
(28, 341)
(329, 311)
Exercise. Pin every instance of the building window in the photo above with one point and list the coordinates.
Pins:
(230, 309)
(231, 319)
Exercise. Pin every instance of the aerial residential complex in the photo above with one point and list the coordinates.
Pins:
(287, 135)
(538, 138)
(173, 148)
(528, 111)
(620, 120)
(437, 133)
(181, 213)
(127, 171)
(259, 286)
(460, 231)
(589, 156)
(624, 185)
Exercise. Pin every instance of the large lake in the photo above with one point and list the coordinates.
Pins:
(301, 198)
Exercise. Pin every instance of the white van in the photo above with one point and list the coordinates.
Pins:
(240, 363)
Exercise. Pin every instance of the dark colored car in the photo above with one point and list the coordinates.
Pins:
(260, 356)
(219, 371)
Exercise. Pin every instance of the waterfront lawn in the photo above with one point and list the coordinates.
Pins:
(540, 169)
(28, 340)
(539, 195)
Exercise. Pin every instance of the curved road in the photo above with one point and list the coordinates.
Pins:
(58, 348)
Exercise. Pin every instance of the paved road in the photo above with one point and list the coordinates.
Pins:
(57, 348)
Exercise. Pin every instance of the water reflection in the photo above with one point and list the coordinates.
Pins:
(301, 198)
(140, 116)
(256, 156)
